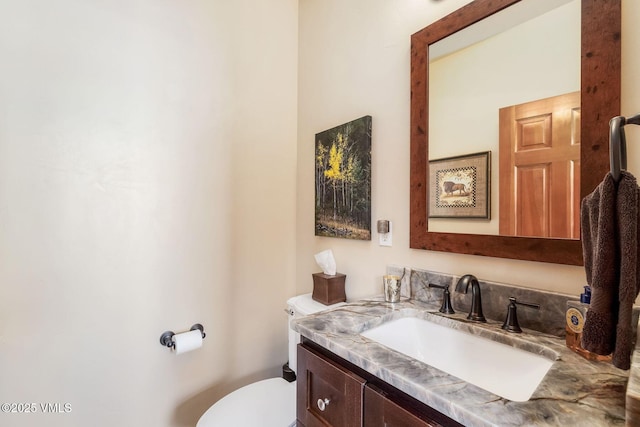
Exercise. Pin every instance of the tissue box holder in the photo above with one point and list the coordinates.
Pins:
(328, 289)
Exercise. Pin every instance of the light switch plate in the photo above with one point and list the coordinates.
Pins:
(385, 239)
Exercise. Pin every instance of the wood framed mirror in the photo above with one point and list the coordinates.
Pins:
(600, 101)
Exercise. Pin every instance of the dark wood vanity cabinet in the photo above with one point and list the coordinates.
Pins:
(382, 410)
(327, 393)
(333, 392)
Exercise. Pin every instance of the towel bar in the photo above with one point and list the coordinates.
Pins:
(618, 144)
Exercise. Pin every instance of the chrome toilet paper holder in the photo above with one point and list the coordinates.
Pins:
(166, 339)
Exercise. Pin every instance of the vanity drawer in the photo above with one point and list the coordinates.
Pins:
(382, 409)
(327, 393)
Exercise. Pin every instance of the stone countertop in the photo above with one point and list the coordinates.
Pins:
(633, 387)
(575, 391)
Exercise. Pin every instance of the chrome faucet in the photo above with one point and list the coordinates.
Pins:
(476, 298)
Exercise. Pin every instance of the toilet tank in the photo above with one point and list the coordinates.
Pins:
(301, 305)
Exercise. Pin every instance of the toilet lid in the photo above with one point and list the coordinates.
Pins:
(267, 403)
(305, 304)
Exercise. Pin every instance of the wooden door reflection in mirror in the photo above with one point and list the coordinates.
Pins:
(540, 168)
(600, 91)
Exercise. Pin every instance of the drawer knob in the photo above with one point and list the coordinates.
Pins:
(323, 403)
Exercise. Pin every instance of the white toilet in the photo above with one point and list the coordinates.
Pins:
(266, 403)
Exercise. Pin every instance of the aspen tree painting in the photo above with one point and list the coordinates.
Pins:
(343, 181)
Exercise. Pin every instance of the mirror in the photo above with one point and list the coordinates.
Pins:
(524, 113)
(600, 91)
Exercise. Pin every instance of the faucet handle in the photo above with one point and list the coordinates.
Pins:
(446, 307)
(511, 322)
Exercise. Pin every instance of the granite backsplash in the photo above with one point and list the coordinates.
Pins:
(549, 319)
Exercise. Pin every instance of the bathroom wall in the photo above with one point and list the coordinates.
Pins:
(354, 60)
(147, 182)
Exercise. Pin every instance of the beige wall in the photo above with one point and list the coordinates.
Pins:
(147, 182)
(354, 60)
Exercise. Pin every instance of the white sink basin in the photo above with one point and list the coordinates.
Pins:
(509, 372)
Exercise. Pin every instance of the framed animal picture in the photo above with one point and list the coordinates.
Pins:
(459, 187)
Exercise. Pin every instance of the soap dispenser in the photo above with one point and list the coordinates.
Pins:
(575, 315)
